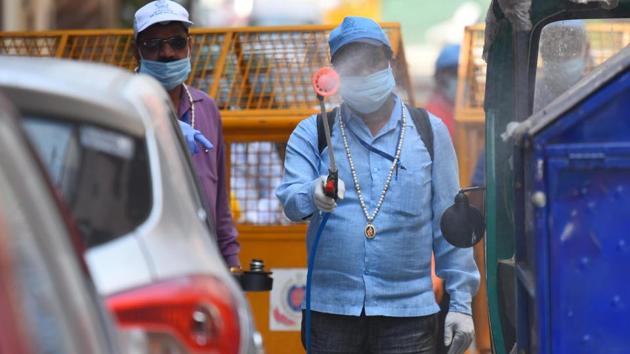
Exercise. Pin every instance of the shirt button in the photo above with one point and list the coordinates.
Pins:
(375, 169)
(366, 272)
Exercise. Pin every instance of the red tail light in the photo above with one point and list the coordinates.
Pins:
(198, 310)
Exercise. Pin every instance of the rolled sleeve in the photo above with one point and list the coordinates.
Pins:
(455, 265)
(301, 171)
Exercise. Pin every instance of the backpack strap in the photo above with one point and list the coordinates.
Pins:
(422, 122)
(321, 135)
(423, 125)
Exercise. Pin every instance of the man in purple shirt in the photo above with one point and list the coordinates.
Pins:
(163, 48)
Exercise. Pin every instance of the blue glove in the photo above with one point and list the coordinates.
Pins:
(194, 136)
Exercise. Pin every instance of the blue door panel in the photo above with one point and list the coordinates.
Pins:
(589, 254)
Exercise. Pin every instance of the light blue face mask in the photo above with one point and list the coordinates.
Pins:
(169, 74)
(366, 94)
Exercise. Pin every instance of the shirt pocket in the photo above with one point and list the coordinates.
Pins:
(411, 189)
(210, 177)
(206, 172)
(208, 180)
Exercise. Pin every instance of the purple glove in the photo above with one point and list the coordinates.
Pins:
(193, 137)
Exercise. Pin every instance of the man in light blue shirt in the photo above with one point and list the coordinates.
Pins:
(371, 286)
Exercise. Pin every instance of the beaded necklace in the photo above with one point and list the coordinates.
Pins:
(192, 110)
(192, 106)
(370, 229)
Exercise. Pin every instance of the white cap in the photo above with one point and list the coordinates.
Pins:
(159, 11)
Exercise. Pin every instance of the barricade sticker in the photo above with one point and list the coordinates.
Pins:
(286, 297)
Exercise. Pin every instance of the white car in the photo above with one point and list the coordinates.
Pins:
(112, 145)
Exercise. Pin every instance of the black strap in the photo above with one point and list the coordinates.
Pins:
(420, 120)
(423, 125)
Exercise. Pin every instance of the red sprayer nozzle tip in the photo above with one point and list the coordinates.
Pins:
(326, 82)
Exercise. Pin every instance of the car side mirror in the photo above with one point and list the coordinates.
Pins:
(463, 225)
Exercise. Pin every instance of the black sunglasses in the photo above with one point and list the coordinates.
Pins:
(155, 44)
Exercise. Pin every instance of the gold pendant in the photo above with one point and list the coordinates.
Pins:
(370, 231)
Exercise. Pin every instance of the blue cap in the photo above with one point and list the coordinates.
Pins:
(449, 57)
(357, 29)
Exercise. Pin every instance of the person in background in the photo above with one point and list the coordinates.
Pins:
(256, 171)
(372, 289)
(442, 104)
(162, 49)
(442, 100)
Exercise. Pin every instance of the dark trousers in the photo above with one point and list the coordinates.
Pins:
(371, 334)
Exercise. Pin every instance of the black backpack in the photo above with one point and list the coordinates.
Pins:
(420, 119)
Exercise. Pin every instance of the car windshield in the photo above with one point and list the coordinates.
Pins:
(102, 175)
(569, 50)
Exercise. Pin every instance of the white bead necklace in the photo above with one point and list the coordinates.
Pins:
(370, 229)
(192, 106)
(192, 110)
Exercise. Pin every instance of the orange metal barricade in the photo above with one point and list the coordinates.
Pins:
(249, 68)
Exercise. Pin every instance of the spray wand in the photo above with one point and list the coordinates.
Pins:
(325, 83)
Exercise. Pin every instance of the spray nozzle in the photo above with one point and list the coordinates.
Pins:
(331, 187)
(325, 82)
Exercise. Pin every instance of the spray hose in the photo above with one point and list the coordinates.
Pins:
(309, 274)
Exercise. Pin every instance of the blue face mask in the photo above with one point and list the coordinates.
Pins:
(169, 74)
(366, 94)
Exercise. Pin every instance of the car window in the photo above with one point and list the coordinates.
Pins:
(102, 175)
(569, 50)
(27, 285)
(47, 297)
